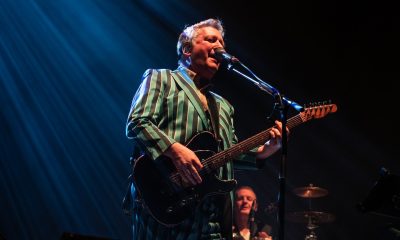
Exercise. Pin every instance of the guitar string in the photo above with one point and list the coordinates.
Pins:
(292, 122)
(245, 145)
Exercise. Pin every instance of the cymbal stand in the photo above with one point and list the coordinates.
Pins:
(311, 226)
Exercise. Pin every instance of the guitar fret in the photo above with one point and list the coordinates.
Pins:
(220, 158)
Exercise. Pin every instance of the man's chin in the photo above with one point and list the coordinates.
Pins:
(211, 71)
(213, 64)
(245, 211)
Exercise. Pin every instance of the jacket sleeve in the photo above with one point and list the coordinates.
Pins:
(145, 113)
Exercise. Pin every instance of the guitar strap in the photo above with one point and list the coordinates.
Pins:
(214, 116)
(224, 201)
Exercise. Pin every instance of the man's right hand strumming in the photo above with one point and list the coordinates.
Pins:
(186, 162)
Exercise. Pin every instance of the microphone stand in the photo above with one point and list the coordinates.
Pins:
(282, 104)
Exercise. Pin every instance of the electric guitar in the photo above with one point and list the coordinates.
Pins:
(169, 200)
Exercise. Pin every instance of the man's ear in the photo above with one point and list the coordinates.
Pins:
(187, 49)
(255, 205)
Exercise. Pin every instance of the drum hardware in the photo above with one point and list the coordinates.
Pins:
(310, 217)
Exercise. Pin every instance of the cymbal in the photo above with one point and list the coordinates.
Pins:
(310, 192)
(311, 217)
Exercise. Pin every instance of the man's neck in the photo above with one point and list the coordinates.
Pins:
(201, 83)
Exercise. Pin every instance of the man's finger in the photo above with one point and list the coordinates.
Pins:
(197, 164)
(196, 175)
(186, 176)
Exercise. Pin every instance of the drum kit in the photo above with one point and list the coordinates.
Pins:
(310, 217)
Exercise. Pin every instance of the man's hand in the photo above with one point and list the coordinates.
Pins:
(186, 162)
(274, 143)
(264, 236)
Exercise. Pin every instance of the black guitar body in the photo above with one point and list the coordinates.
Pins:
(169, 201)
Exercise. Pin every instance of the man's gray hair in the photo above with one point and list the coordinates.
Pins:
(190, 32)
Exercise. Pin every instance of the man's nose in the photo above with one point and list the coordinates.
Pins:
(218, 44)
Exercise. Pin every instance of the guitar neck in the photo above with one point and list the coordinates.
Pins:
(221, 158)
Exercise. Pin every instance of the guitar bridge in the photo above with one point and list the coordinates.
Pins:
(187, 202)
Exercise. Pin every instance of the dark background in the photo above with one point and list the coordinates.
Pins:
(69, 70)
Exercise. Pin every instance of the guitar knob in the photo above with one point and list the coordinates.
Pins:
(170, 209)
(182, 203)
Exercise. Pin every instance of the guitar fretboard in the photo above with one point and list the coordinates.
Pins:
(221, 158)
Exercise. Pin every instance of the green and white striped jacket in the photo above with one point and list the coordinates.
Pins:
(167, 109)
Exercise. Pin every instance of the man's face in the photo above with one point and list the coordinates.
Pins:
(244, 200)
(202, 57)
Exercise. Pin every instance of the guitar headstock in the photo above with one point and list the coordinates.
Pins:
(317, 110)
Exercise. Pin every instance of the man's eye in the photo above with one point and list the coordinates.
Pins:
(211, 40)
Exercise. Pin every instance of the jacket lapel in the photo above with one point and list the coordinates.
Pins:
(188, 86)
(214, 108)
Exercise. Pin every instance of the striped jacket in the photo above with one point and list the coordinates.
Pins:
(167, 109)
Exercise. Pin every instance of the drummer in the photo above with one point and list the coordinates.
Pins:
(245, 225)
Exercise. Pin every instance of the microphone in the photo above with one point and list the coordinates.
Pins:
(222, 56)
